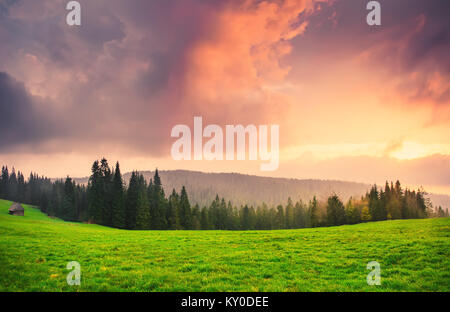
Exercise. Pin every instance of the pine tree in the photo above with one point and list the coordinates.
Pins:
(81, 202)
(214, 213)
(21, 188)
(13, 186)
(196, 218)
(4, 182)
(68, 211)
(118, 202)
(245, 218)
(131, 202)
(185, 209)
(94, 194)
(231, 222)
(106, 193)
(222, 215)
(335, 211)
(365, 214)
(44, 202)
(142, 207)
(252, 218)
(352, 214)
(301, 216)
(54, 201)
(313, 212)
(374, 203)
(173, 220)
(383, 204)
(280, 219)
(158, 203)
(421, 204)
(289, 214)
(204, 219)
(2, 191)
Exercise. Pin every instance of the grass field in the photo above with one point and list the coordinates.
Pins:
(35, 249)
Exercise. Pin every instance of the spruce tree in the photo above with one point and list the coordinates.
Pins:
(2, 191)
(245, 218)
(158, 203)
(313, 212)
(376, 208)
(335, 211)
(280, 221)
(131, 201)
(173, 220)
(106, 193)
(142, 206)
(196, 218)
(94, 194)
(300, 215)
(222, 215)
(214, 213)
(204, 219)
(54, 203)
(352, 213)
(5, 183)
(118, 199)
(68, 211)
(365, 214)
(289, 214)
(13, 186)
(21, 188)
(185, 209)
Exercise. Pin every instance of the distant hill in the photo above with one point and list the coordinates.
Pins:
(440, 200)
(253, 190)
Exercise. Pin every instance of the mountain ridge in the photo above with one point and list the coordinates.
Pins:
(241, 189)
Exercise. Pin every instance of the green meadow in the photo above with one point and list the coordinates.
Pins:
(35, 249)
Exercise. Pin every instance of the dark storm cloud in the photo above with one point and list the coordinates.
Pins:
(120, 67)
(20, 122)
(39, 27)
(95, 58)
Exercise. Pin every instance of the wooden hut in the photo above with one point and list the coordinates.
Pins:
(16, 210)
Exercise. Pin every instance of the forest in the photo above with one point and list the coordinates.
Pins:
(143, 205)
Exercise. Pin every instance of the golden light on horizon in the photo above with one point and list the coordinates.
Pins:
(414, 150)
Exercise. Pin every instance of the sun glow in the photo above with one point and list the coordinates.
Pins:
(413, 150)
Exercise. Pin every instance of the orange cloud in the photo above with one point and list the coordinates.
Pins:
(235, 66)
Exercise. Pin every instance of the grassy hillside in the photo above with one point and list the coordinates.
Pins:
(34, 251)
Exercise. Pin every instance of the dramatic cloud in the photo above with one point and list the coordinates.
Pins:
(129, 73)
(20, 121)
(410, 48)
(116, 85)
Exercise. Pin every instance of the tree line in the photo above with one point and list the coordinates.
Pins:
(142, 205)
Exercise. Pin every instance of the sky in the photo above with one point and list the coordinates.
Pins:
(353, 102)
